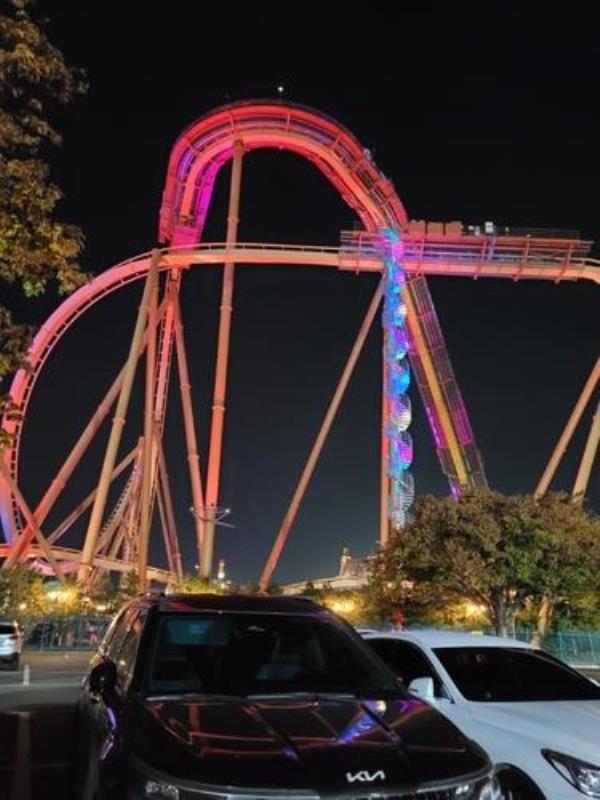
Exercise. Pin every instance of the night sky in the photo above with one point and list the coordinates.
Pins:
(472, 118)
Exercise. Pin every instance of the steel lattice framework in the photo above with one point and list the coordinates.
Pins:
(403, 252)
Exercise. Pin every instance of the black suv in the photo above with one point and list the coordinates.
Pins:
(227, 697)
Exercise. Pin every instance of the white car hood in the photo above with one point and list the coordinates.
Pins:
(567, 726)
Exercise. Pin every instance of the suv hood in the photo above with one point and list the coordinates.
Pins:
(302, 742)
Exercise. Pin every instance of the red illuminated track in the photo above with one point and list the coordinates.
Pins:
(208, 144)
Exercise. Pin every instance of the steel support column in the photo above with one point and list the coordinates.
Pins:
(191, 440)
(149, 440)
(220, 391)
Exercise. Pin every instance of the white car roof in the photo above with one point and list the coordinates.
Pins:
(439, 638)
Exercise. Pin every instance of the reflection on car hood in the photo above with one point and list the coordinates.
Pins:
(569, 726)
(303, 742)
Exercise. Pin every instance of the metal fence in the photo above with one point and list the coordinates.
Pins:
(77, 632)
(578, 648)
(82, 632)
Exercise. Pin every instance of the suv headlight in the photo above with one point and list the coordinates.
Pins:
(491, 790)
(583, 776)
(159, 790)
(487, 789)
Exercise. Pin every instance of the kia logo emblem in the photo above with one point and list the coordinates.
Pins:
(365, 777)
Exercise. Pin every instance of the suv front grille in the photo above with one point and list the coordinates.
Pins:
(431, 794)
(441, 794)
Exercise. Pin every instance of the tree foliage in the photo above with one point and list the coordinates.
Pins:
(351, 604)
(21, 591)
(195, 584)
(36, 249)
(498, 552)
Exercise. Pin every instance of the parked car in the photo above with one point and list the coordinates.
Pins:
(44, 635)
(11, 643)
(225, 697)
(538, 718)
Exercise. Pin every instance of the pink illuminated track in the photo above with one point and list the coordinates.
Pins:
(197, 156)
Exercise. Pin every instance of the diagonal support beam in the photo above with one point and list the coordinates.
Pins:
(149, 439)
(30, 519)
(191, 440)
(567, 434)
(174, 552)
(164, 525)
(118, 423)
(587, 460)
(290, 517)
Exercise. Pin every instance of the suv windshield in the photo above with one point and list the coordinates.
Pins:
(256, 654)
(498, 674)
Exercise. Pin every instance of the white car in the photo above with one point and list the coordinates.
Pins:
(10, 644)
(538, 719)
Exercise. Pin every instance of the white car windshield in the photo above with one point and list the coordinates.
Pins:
(504, 674)
(7, 629)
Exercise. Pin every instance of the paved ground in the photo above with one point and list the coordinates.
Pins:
(37, 726)
(43, 678)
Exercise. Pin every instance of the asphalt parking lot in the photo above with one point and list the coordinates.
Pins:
(37, 725)
(42, 678)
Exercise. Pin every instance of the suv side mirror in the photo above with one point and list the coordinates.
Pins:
(103, 678)
(423, 688)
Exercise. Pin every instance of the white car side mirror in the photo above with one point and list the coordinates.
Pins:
(423, 688)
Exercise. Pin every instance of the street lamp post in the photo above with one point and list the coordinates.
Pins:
(215, 515)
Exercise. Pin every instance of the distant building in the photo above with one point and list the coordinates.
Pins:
(222, 574)
(353, 574)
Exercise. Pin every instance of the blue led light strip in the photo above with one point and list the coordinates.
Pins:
(396, 379)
